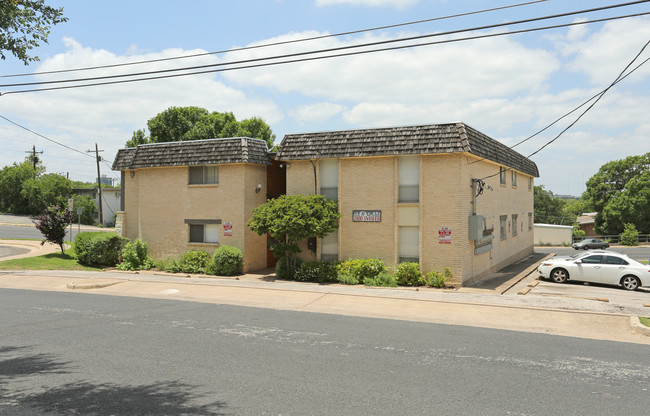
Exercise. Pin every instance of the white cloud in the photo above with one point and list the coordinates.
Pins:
(108, 115)
(398, 4)
(316, 113)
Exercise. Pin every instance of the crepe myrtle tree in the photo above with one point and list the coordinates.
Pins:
(52, 224)
(291, 218)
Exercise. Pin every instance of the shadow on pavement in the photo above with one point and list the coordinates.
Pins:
(495, 280)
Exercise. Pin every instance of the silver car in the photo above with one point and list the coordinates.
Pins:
(598, 266)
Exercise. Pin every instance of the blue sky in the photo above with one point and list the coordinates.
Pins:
(508, 87)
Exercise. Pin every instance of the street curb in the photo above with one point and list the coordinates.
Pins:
(100, 285)
(638, 327)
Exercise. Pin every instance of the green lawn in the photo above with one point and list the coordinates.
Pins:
(644, 321)
(54, 261)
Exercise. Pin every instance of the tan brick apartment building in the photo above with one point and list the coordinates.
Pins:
(405, 194)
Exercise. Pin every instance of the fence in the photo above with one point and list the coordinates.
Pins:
(642, 238)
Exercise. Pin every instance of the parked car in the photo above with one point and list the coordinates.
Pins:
(590, 243)
(598, 266)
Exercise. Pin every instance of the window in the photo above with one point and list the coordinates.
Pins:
(530, 220)
(593, 259)
(502, 225)
(615, 260)
(530, 184)
(204, 231)
(513, 178)
(502, 175)
(202, 175)
(515, 217)
(409, 244)
(330, 247)
(329, 179)
(409, 179)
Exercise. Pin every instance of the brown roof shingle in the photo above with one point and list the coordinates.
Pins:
(427, 139)
(193, 152)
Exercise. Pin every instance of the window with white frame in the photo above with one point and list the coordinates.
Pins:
(513, 178)
(503, 220)
(502, 175)
(330, 247)
(329, 179)
(515, 217)
(530, 183)
(204, 231)
(203, 175)
(409, 244)
(409, 178)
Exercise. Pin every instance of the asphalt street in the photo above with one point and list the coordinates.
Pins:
(72, 353)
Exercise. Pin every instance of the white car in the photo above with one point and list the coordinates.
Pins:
(597, 266)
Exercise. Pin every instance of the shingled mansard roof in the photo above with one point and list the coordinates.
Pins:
(193, 152)
(411, 140)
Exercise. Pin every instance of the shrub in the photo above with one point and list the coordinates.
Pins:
(99, 248)
(383, 279)
(226, 261)
(194, 261)
(347, 279)
(134, 256)
(408, 274)
(439, 279)
(52, 224)
(168, 265)
(281, 270)
(361, 269)
(630, 236)
(319, 271)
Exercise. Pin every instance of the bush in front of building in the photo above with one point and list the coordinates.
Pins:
(226, 261)
(630, 236)
(383, 279)
(439, 279)
(318, 271)
(169, 265)
(355, 271)
(194, 261)
(99, 248)
(134, 256)
(409, 274)
(283, 272)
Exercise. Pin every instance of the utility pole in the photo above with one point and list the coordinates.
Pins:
(34, 157)
(99, 182)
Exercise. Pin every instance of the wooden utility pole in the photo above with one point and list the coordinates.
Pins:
(99, 182)
(34, 157)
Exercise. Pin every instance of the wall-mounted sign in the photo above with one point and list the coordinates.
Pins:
(364, 215)
(227, 229)
(444, 235)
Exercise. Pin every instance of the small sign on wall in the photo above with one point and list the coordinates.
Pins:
(227, 229)
(366, 215)
(444, 235)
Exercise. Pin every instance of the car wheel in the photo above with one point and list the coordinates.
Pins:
(630, 282)
(559, 275)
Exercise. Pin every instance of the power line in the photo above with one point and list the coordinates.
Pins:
(600, 95)
(266, 45)
(311, 58)
(327, 50)
(44, 137)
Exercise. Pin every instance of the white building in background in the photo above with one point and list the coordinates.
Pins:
(111, 200)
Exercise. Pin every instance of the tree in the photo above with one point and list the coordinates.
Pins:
(88, 209)
(52, 224)
(12, 179)
(616, 184)
(292, 218)
(24, 24)
(196, 123)
(46, 190)
(548, 207)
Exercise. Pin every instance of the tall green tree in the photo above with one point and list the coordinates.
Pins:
(11, 186)
(619, 192)
(196, 123)
(549, 209)
(46, 190)
(24, 25)
(292, 218)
